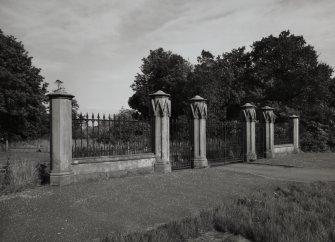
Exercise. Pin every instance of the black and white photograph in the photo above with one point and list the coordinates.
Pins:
(167, 120)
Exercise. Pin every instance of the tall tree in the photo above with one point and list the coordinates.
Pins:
(286, 70)
(161, 70)
(22, 92)
(221, 80)
(281, 71)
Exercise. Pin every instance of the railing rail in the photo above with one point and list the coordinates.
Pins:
(180, 144)
(112, 135)
(224, 141)
(283, 133)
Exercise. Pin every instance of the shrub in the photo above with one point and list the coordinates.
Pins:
(315, 137)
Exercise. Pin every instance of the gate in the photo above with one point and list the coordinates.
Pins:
(112, 135)
(260, 139)
(180, 144)
(283, 133)
(224, 142)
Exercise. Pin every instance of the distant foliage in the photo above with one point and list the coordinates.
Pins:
(280, 71)
(22, 93)
(161, 70)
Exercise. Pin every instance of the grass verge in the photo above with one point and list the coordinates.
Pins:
(20, 172)
(299, 212)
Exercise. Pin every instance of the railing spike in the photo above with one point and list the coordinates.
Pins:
(92, 115)
(98, 116)
(103, 117)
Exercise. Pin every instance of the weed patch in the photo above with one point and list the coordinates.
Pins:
(294, 213)
(20, 173)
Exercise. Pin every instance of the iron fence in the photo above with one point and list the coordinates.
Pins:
(180, 144)
(260, 139)
(224, 141)
(112, 135)
(283, 133)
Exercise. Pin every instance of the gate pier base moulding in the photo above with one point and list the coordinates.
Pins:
(248, 114)
(162, 167)
(61, 178)
(161, 107)
(199, 115)
(61, 138)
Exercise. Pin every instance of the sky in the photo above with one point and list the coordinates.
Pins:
(96, 47)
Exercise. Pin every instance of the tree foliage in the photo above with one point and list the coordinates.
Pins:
(221, 81)
(161, 70)
(22, 92)
(287, 75)
(280, 71)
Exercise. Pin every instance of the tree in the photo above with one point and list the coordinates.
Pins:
(283, 67)
(75, 108)
(221, 80)
(22, 92)
(280, 71)
(288, 76)
(161, 70)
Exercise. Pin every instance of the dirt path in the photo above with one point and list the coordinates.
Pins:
(300, 174)
(215, 236)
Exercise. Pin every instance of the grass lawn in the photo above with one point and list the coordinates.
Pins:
(93, 210)
(299, 212)
(305, 160)
(154, 203)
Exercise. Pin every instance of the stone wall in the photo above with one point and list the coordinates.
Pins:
(105, 167)
(66, 170)
(285, 149)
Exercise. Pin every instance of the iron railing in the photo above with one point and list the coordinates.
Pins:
(283, 133)
(180, 143)
(112, 135)
(260, 139)
(224, 141)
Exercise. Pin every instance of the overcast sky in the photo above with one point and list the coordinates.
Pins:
(96, 47)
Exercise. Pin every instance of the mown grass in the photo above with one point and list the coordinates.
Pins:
(23, 170)
(303, 212)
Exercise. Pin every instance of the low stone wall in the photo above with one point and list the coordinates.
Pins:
(105, 167)
(284, 149)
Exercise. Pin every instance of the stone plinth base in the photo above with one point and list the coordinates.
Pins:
(106, 167)
(161, 167)
(250, 157)
(61, 178)
(269, 154)
(200, 163)
(296, 151)
(284, 149)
